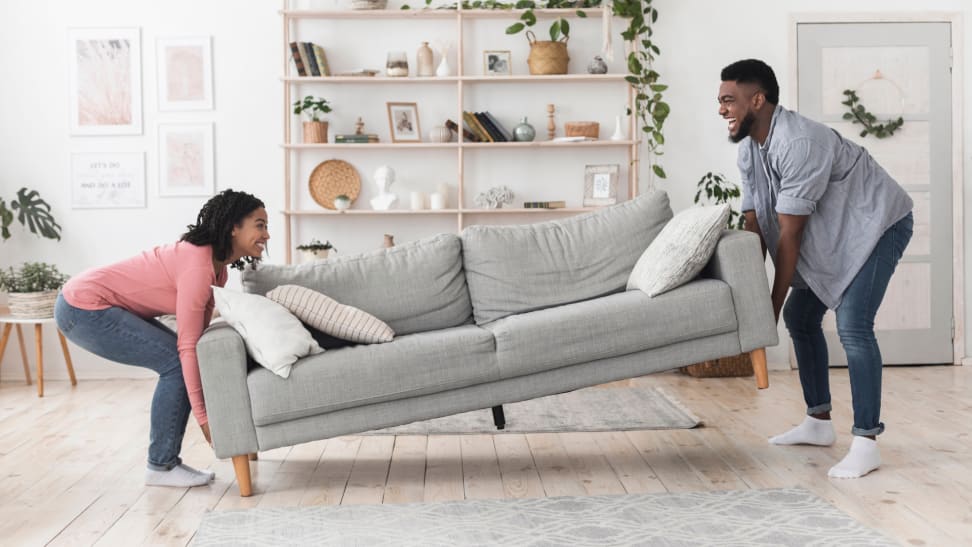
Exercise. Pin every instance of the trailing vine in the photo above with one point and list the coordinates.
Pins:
(650, 108)
(859, 114)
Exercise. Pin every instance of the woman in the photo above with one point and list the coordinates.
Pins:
(110, 312)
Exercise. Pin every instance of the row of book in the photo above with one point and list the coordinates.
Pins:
(486, 128)
(309, 59)
(544, 204)
(356, 138)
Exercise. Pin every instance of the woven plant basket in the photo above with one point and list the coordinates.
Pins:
(315, 132)
(32, 305)
(547, 57)
(737, 365)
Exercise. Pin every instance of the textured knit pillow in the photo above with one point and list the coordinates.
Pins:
(331, 317)
(274, 338)
(680, 251)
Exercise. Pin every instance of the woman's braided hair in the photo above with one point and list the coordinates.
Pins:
(216, 220)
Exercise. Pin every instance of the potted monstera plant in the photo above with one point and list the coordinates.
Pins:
(32, 288)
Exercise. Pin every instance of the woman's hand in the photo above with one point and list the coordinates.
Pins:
(205, 430)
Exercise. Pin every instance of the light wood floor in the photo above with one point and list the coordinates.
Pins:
(71, 463)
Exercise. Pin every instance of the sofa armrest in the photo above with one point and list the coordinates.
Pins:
(738, 261)
(222, 367)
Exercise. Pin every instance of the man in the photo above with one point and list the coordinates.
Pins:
(835, 224)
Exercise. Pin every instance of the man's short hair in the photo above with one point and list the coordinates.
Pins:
(754, 71)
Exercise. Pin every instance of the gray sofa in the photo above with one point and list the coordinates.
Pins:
(495, 315)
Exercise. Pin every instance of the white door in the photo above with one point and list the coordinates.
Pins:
(896, 69)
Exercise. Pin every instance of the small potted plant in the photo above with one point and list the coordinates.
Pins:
(315, 129)
(315, 250)
(32, 289)
(342, 202)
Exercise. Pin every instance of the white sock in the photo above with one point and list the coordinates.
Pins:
(177, 476)
(862, 458)
(811, 431)
(210, 472)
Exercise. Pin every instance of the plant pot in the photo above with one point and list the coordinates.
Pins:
(547, 57)
(32, 305)
(315, 132)
(311, 256)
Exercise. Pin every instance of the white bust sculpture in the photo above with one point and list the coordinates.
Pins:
(384, 177)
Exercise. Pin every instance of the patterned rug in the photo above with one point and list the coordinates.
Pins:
(789, 517)
(589, 409)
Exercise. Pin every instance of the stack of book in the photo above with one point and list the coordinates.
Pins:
(486, 127)
(309, 59)
(544, 205)
(355, 138)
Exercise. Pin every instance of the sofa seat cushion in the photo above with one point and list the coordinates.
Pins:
(610, 326)
(410, 365)
(413, 287)
(522, 268)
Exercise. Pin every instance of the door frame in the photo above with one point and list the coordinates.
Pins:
(958, 145)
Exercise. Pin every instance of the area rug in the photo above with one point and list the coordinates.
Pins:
(791, 517)
(588, 409)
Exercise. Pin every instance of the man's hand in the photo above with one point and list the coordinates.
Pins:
(205, 430)
(787, 254)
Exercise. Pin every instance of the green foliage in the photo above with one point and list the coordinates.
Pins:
(650, 106)
(312, 106)
(32, 277)
(316, 245)
(859, 114)
(560, 28)
(718, 190)
(32, 212)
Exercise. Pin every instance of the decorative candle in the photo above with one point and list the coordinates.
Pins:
(437, 201)
(418, 201)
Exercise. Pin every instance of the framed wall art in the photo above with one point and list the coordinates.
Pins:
(105, 81)
(600, 185)
(185, 73)
(403, 122)
(186, 163)
(107, 180)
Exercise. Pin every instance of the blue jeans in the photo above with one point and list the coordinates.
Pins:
(121, 336)
(803, 316)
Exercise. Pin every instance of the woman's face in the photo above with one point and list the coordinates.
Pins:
(250, 236)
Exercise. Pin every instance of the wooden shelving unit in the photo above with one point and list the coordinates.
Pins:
(457, 17)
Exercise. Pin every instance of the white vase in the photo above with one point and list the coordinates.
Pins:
(618, 130)
(444, 68)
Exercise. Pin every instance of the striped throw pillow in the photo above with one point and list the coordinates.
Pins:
(329, 316)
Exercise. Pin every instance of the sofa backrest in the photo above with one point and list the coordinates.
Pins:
(514, 269)
(414, 287)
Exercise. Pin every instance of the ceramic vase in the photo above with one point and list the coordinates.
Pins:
(597, 66)
(524, 132)
(423, 60)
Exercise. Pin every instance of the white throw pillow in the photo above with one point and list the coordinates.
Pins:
(274, 338)
(331, 317)
(680, 251)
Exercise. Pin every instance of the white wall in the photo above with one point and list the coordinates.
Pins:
(697, 37)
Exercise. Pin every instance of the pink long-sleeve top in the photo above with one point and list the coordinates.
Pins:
(169, 279)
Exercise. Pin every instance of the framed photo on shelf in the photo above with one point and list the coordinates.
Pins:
(107, 180)
(600, 185)
(186, 159)
(185, 73)
(403, 121)
(497, 63)
(105, 81)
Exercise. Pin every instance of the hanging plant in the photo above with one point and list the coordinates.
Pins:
(859, 114)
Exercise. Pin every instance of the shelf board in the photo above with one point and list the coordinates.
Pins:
(434, 13)
(328, 212)
(453, 145)
(516, 78)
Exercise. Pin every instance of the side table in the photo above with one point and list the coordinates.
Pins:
(9, 322)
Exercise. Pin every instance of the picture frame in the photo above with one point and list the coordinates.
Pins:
(106, 180)
(105, 81)
(497, 62)
(186, 163)
(184, 66)
(601, 184)
(403, 122)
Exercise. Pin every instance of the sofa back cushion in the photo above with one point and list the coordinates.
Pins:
(515, 269)
(414, 287)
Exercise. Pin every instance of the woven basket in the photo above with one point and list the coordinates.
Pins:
(32, 305)
(737, 365)
(315, 132)
(582, 129)
(333, 178)
(547, 57)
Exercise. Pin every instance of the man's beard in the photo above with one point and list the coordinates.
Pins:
(745, 126)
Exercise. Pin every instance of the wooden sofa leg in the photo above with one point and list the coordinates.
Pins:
(253, 456)
(241, 464)
(758, 357)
